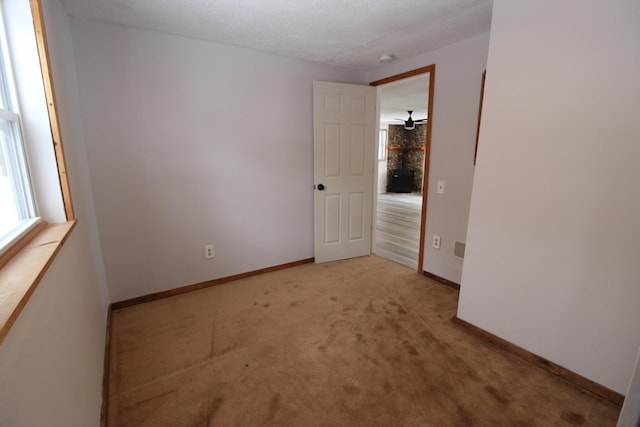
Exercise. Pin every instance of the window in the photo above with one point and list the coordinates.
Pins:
(382, 145)
(17, 208)
(26, 86)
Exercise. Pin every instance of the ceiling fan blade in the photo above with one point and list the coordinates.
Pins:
(420, 120)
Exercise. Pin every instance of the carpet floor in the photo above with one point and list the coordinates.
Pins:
(361, 342)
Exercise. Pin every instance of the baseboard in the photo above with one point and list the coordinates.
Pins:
(190, 288)
(566, 374)
(104, 408)
(442, 280)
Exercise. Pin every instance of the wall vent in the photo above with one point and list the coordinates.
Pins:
(458, 250)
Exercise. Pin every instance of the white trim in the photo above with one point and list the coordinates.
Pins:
(23, 228)
(9, 115)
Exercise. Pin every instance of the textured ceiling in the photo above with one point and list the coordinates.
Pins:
(351, 33)
(398, 97)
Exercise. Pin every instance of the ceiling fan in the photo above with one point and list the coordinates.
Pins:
(410, 124)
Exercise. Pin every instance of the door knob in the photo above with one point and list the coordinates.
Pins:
(320, 187)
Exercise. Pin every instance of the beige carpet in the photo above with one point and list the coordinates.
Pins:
(362, 342)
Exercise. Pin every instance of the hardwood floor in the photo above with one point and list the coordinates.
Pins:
(398, 227)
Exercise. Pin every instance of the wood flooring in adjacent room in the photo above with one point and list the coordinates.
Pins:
(398, 227)
(361, 342)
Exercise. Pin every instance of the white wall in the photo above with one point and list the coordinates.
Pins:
(630, 414)
(554, 235)
(458, 80)
(189, 143)
(51, 361)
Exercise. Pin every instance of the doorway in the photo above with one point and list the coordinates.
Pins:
(406, 106)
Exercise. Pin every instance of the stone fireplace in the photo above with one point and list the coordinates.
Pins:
(405, 154)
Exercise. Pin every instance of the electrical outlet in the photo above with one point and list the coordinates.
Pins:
(208, 252)
(436, 241)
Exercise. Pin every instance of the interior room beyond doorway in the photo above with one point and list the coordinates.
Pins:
(401, 160)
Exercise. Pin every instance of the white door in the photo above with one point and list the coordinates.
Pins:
(344, 123)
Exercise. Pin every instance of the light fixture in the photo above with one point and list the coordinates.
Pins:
(410, 124)
(385, 58)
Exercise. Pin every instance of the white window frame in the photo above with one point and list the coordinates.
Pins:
(14, 149)
(382, 145)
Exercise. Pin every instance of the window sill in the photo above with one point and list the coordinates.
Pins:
(20, 276)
